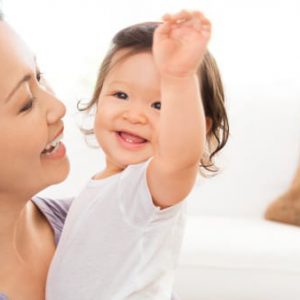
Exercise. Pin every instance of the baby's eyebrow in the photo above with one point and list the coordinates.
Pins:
(25, 78)
(117, 82)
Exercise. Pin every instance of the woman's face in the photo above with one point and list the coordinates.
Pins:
(31, 154)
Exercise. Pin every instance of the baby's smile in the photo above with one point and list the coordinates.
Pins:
(130, 140)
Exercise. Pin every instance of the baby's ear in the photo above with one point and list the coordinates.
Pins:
(209, 123)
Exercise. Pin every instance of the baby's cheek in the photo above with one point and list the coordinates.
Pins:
(100, 129)
(99, 122)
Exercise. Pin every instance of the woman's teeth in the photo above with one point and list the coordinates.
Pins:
(52, 146)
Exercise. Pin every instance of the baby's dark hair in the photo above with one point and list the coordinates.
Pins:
(138, 38)
(1, 15)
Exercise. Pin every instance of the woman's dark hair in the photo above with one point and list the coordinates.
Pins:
(139, 38)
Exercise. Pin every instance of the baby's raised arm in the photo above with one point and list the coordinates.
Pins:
(179, 47)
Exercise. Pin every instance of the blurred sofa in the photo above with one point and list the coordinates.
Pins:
(230, 252)
(239, 259)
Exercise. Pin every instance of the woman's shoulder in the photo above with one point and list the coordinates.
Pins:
(55, 211)
(57, 207)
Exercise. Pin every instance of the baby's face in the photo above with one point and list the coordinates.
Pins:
(128, 111)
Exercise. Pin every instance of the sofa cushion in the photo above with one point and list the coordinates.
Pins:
(286, 208)
(231, 258)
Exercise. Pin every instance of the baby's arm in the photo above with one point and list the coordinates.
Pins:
(178, 49)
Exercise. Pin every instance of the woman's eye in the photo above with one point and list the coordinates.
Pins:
(156, 105)
(121, 95)
(28, 105)
(39, 76)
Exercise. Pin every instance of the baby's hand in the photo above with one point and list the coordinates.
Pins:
(180, 43)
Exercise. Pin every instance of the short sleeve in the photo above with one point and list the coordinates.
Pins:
(136, 201)
(55, 212)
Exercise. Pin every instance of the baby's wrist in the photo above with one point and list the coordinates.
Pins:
(184, 81)
(177, 77)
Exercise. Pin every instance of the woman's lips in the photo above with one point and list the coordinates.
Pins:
(55, 149)
(59, 151)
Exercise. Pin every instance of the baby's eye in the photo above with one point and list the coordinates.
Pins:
(121, 95)
(156, 105)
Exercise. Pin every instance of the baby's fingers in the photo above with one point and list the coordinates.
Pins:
(201, 22)
(163, 29)
(194, 19)
(203, 27)
(177, 18)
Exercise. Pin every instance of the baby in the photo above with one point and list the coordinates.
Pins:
(160, 115)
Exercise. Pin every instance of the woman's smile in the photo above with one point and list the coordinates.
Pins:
(55, 149)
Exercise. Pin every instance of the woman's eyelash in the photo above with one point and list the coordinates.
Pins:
(120, 95)
(28, 105)
(39, 75)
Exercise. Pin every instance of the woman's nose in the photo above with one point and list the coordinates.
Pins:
(55, 109)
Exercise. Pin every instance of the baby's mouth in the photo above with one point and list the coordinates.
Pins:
(131, 138)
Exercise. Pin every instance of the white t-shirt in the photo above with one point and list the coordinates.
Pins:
(116, 244)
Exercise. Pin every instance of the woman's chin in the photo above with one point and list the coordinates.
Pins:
(59, 173)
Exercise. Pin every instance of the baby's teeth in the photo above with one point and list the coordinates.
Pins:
(129, 140)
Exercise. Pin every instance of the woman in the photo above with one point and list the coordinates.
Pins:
(32, 158)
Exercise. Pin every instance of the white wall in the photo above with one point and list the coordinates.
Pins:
(257, 47)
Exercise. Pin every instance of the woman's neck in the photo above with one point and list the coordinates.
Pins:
(17, 226)
(26, 248)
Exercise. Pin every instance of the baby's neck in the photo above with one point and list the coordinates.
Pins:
(106, 173)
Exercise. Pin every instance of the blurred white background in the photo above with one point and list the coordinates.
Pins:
(256, 44)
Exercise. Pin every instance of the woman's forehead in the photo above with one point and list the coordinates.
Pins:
(16, 59)
(12, 47)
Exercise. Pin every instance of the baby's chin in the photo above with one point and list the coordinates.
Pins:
(134, 161)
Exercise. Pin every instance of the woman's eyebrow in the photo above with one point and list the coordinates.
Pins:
(24, 79)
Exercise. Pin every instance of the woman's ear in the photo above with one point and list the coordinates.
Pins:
(209, 123)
